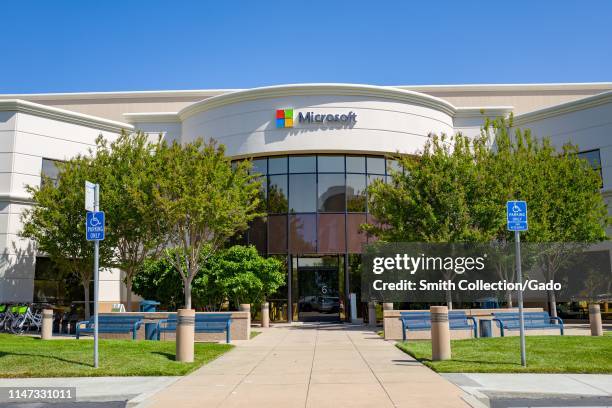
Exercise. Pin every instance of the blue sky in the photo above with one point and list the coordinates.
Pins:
(73, 46)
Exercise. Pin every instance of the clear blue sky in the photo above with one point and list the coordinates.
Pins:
(72, 46)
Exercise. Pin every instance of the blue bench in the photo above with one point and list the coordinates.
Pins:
(457, 320)
(111, 324)
(204, 323)
(533, 320)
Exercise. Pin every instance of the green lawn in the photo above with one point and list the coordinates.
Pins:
(254, 334)
(23, 356)
(545, 354)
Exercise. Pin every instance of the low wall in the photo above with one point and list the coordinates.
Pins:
(393, 326)
(240, 328)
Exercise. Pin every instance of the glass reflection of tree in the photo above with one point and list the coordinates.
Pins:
(356, 200)
(277, 200)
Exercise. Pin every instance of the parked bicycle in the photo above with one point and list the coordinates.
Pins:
(19, 318)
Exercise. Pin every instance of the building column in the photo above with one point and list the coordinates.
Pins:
(347, 282)
(289, 282)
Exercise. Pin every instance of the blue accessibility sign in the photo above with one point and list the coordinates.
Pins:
(94, 225)
(516, 215)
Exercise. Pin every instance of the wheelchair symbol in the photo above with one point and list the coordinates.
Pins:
(94, 222)
(516, 208)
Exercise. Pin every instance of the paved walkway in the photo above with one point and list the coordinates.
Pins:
(312, 366)
(547, 389)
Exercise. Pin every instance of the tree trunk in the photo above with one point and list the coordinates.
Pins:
(187, 290)
(86, 292)
(449, 299)
(508, 299)
(128, 295)
(552, 305)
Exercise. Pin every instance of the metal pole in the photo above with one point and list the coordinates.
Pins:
(519, 276)
(96, 279)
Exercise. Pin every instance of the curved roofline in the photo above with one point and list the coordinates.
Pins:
(553, 86)
(277, 91)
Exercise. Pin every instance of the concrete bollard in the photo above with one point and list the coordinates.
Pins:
(265, 314)
(46, 331)
(372, 314)
(246, 307)
(595, 320)
(387, 306)
(185, 335)
(440, 333)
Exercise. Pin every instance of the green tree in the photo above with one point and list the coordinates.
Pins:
(56, 222)
(238, 274)
(244, 275)
(566, 208)
(125, 169)
(435, 199)
(204, 201)
(457, 189)
(158, 279)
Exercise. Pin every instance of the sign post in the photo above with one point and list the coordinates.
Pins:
(94, 231)
(516, 214)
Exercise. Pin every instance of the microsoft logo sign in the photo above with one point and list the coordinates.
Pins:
(284, 118)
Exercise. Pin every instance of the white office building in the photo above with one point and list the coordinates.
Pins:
(319, 145)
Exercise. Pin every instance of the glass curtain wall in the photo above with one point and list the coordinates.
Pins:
(314, 203)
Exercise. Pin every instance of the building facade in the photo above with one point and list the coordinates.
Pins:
(316, 146)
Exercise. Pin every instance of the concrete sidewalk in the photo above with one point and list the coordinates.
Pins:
(99, 389)
(592, 389)
(312, 366)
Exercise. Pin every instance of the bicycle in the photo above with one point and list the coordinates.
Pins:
(26, 320)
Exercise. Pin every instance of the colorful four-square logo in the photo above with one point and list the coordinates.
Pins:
(284, 118)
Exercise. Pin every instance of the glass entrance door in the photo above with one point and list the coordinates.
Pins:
(318, 294)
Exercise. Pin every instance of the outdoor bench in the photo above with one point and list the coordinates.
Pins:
(111, 324)
(533, 320)
(204, 323)
(457, 320)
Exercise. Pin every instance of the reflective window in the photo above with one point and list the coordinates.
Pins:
(302, 233)
(331, 164)
(374, 177)
(308, 198)
(331, 233)
(356, 238)
(263, 192)
(277, 165)
(594, 159)
(302, 164)
(258, 234)
(393, 166)
(259, 166)
(302, 193)
(355, 192)
(376, 165)
(331, 192)
(277, 194)
(49, 169)
(355, 164)
(277, 234)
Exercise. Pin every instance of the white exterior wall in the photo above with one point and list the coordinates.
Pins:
(387, 121)
(25, 139)
(586, 123)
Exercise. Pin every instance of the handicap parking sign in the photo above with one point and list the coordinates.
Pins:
(94, 225)
(516, 214)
